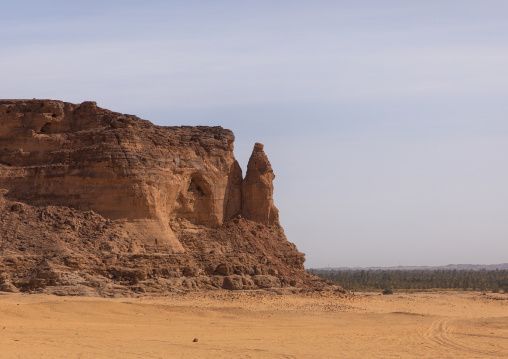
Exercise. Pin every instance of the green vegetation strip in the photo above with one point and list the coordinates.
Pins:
(417, 280)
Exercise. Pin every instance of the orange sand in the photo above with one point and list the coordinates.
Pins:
(256, 325)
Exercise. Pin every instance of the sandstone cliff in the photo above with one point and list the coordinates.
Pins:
(97, 202)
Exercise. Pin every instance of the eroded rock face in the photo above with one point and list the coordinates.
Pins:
(257, 189)
(92, 200)
(124, 168)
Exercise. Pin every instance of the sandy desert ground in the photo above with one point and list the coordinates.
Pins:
(256, 325)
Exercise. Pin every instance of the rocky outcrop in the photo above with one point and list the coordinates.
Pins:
(98, 202)
(257, 189)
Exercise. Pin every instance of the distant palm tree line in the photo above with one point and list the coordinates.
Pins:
(374, 280)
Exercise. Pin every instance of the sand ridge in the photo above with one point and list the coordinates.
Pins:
(256, 325)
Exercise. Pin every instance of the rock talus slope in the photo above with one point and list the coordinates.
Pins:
(97, 202)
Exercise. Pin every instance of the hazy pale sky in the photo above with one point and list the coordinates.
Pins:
(386, 122)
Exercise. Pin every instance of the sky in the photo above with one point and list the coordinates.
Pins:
(386, 122)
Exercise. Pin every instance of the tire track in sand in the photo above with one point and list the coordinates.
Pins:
(441, 333)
